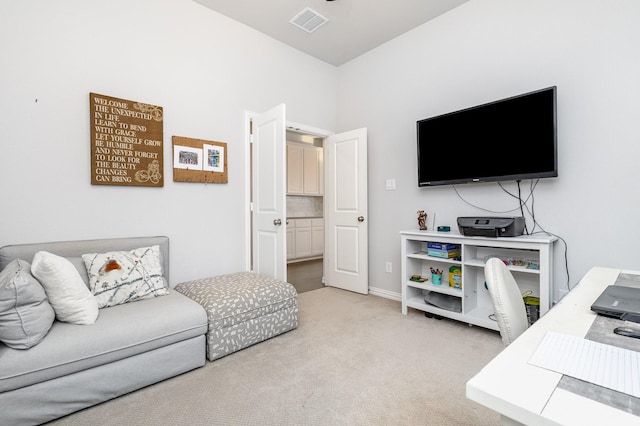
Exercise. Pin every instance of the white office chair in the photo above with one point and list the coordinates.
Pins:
(508, 305)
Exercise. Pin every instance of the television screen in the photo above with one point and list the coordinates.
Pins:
(510, 139)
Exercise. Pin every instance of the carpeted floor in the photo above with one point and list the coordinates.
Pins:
(353, 360)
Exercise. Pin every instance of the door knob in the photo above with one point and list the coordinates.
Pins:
(277, 222)
(360, 218)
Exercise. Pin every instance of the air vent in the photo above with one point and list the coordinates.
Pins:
(308, 20)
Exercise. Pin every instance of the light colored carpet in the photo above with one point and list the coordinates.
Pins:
(353, 360)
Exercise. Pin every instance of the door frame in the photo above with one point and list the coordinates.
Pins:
(290, 126)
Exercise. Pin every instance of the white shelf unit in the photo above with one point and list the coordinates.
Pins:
(474, 297)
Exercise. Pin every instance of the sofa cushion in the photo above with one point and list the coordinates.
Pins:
(118, 277)
(25, 313)
(120, 332)
(71, 299)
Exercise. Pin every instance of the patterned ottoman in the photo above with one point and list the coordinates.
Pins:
(243, 309)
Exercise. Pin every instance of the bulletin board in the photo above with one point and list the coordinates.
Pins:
(198, 160)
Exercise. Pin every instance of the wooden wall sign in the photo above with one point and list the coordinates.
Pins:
(198, 160)
(126, 142)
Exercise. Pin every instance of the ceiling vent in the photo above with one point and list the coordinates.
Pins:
(308, 20)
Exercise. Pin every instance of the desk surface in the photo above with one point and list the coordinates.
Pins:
(529, 394)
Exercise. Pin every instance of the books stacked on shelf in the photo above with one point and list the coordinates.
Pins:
(444, 250)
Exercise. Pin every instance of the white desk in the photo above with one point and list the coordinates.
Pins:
(523, 393)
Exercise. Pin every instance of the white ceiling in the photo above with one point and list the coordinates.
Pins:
(354, 27)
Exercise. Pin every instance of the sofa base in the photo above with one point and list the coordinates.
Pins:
(55, 398)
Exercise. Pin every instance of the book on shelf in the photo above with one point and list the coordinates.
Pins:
(442, 246)
(446, 254)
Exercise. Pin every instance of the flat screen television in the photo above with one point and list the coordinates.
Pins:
(509, 139)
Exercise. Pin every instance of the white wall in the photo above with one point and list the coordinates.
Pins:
(485, 50)
(205, 70)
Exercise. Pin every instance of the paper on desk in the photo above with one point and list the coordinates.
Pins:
(604, 365)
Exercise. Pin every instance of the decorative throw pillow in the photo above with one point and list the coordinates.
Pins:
(118, 277)
(25, 313)
(71, 299)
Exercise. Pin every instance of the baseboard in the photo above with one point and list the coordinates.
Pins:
(385, 293)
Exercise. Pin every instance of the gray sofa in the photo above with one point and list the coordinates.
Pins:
(130, 345)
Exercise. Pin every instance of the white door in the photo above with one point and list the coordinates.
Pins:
(269, 248)
(346, 261)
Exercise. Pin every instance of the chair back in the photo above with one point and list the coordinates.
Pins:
(508, 305)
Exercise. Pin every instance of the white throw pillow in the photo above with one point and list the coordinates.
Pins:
(68, 295)
(118, 277)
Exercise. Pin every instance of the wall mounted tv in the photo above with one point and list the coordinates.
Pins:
(510, 139)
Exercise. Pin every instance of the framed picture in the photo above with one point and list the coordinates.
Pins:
(213, 156)
(186, 157)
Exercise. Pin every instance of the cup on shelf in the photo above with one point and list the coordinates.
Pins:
(436, 279)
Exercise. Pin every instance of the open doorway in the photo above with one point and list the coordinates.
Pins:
(344, 200)
(305, 210)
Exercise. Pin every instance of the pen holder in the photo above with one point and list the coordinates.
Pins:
(436, 279)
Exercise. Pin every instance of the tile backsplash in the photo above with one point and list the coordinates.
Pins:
(303, 206)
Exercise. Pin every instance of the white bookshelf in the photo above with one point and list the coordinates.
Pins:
(531, 262)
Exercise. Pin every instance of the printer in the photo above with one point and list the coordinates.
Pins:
(481, 226)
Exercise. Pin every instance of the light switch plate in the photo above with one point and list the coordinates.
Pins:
(390, 184)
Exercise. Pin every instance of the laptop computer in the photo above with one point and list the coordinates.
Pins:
(617, 300)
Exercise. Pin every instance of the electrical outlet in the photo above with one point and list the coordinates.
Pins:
(389, 267)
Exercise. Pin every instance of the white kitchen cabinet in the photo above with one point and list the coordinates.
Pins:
(305, 238)
(291, 242)
(295, 162)
(317, 237)
(312, 170)
(305, 169)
